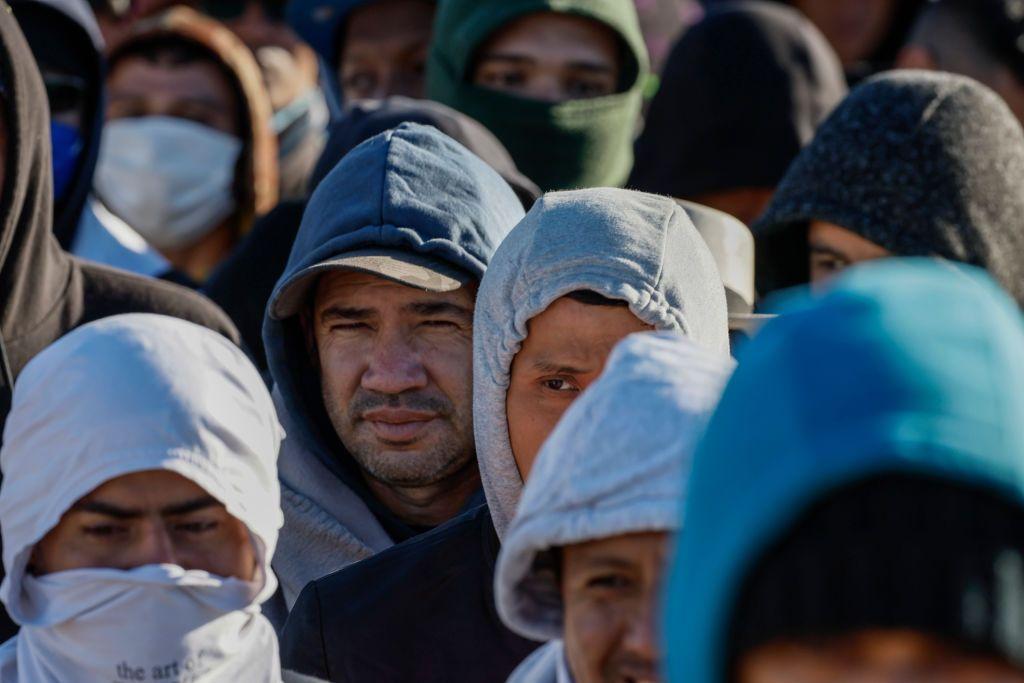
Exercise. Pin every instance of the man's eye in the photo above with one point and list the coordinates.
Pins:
(583, 89)
(105, 530)
(199, 527)
(349, 327)
(504, 79)
(559, 384)
(360, 82)
(442, 324)
(609, 582)
(828, 264)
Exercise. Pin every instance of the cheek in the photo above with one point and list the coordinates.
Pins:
(591, 633)
(530, 420)
(342, 364)
(449, 363)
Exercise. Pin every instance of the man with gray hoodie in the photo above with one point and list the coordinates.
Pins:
(583, 559)
(582, 271)
(369, 341)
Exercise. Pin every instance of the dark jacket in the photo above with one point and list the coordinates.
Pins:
(921, 164)
(243, 283)
(742, 93)
(343, 627)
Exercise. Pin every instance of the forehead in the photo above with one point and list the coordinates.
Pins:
(544, 33)
(402, 21)
(637, 548)
(344, 288)
(569, 329)
(200, 79)
(149, 489)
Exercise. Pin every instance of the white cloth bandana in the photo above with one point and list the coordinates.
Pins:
(128, 394)
(172, 180)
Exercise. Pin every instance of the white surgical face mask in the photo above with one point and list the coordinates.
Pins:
(158, 622)
(170, 179)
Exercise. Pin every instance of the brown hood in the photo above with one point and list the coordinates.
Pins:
(256, 177)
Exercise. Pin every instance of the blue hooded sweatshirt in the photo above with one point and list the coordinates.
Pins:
(905, 367)
(410, 188)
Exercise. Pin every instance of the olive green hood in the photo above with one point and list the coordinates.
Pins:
(560, 146)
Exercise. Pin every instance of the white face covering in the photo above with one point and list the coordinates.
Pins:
(136, 393)
(198, 627)
(170, 179)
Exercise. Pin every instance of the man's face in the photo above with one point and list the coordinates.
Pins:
(833, 249)
(154, 517)
(563, 353)
(611, 589)
(855, 28)
(396, 368)
(872, 657)
(384, 49)
(551, 57)
(196, 91)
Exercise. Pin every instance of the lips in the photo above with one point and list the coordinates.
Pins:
(397, 425)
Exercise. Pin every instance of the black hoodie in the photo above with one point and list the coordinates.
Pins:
(922, 164)
(742, 92)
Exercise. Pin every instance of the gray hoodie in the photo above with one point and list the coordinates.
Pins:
(634, 247)
(616, 464)
(410, 188)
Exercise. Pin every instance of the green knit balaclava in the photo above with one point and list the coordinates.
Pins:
(565, 145)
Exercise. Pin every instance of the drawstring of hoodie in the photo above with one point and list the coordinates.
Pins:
(6, 386)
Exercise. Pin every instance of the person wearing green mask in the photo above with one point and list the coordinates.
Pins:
(558, 82)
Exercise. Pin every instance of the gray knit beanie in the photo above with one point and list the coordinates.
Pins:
(923, 164)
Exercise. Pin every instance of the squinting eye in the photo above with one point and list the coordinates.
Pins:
(581, 90)
(612, 582)
(197, 527)
(104, 530)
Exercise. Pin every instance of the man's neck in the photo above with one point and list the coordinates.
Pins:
(429, 506)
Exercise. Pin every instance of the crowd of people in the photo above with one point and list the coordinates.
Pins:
(525, 341)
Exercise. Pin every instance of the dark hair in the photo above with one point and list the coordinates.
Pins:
(585, 296)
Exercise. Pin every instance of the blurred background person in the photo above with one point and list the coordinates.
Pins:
(742, 93)
(977, 38)
(68, 48)
(559, 83)
(912, 163)
(188, 156)
(375, 48)
(855, 510)
(866, 34)
(303, 103)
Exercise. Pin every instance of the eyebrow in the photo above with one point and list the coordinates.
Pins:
(438, 308)
(345, 313)
(552, 367)
(523, 60)
(108, 510)
(609, 561)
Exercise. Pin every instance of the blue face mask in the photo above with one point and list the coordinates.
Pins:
(67, 148)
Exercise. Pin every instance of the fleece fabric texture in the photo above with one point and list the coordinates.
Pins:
(410, 188)
(546, 665)
(742, 92)
(616, 464)
(633, 247)
(906, 367)
(560, 146)
(923, 164)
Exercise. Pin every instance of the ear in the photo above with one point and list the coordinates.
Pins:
(916, 57)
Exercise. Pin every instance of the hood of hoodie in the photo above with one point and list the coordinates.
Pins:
(409, 188)
(366, 118)
(256, 176)
(633, 247)
(921, 164)
(64, 33)
(616, 464)
(34, 271)
(742, 92)
(868, 380)
(561, 146)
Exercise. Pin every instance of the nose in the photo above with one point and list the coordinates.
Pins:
(394, 367)
(155, 547)
(640, 639)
